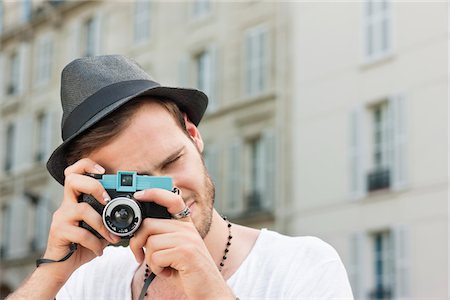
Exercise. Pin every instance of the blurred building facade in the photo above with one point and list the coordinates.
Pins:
(313, 128)
(370, 141)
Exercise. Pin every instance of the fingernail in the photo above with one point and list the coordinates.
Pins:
(138, 194)
(106, 196)
(99, 168)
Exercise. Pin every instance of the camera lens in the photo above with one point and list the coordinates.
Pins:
(126, 180)
(122, 216)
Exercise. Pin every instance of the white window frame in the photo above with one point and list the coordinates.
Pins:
(142, 21)
(256, 60)
(377, 26)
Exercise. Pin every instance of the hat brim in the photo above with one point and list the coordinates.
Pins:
(192, 102)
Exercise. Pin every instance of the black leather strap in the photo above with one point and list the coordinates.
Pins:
(72, 249)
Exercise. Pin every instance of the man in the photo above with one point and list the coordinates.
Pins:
(117, 118)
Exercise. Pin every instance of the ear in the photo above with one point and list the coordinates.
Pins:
(194, 134)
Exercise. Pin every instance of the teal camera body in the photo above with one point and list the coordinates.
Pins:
(123, 214)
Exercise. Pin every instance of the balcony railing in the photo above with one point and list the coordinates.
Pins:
(378, 180)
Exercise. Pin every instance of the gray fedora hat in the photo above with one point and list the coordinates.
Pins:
(93, 87)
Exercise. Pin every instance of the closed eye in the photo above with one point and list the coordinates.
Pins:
(171, 162)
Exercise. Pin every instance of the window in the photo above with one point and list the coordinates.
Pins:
(204, 65)
(256, 61)
(14, 74)
(44, 61)
(141, 21)
(383, 266)
(254, 199)
(261, 170)
(379, 263)
(250, 176)
(379, 177)
(378, 146)
(9, 147)
(377, 29)
(200, 8)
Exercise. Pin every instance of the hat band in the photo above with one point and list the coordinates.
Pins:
(100, 100)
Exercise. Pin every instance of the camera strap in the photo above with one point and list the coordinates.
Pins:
(72, 249)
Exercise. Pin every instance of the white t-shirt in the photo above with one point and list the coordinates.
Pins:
(278, 267)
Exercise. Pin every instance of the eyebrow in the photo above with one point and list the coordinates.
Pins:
(166, 161)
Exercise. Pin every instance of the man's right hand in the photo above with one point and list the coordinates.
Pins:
(47, 280)
(65, 229)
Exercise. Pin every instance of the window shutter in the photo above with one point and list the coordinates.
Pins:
(18, 243)
(264, 59)
(23, 68)
(269, 165)
(44, 216)
(248, 64)
(183, 72)
(97, 33)
(6, 228)
(213, 95)
(48, 134)
(234, 203)
(24, 142)
(399, 141)
(357, 269)
(2, 77)
(74, 39)
(357, 171)
(212, 162)
(402, 260)
(3, 141)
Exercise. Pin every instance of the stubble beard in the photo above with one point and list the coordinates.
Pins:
(205, 217)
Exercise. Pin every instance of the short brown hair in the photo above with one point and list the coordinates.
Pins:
(108, 128)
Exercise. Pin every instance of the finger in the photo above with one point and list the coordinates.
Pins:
(84, 238)
(151, 227)
(161, 260)
(76, 184)
(84, 165)
(173, 202)
(85, 212)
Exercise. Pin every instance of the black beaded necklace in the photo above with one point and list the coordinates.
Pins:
(222, 262)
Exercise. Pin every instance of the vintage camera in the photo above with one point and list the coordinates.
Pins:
(123, 214)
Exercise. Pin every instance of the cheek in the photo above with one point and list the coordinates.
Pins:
(189, 176)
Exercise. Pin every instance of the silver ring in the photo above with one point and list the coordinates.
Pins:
(185, 212)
